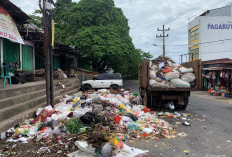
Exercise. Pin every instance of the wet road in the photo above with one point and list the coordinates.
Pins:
(210, 133)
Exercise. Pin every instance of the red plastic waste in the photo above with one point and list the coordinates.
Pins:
(143, 135)
(117, 119)
(146, 109)
(167, 70)
(136, 114)
(43, 116)
(120, 144)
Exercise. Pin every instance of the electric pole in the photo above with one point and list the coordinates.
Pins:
(46, 8)
(181, 58)
(163, 36)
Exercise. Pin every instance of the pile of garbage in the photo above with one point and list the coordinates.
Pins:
(166, 74)
(101, 122)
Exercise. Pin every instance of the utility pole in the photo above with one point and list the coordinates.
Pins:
(46, 7)
(163, 36)
(181, 58)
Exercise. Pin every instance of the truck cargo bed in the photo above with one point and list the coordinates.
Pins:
(170, 89)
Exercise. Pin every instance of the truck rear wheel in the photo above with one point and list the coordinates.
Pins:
(182, 107)
(147, 99)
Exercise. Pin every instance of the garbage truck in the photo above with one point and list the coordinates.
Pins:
(172, 88)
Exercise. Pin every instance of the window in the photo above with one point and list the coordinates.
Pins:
(194, 34)
(194, 54)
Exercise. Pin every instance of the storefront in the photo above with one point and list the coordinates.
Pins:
(15, 51)
(217, 77)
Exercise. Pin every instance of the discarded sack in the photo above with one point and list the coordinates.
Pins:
(88, 118)
(184, 70)
(172, 75)
(152, 74)
(178, 83)
(167, 70)
(188, 77)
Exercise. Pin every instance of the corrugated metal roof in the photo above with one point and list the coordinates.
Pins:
(217, 61)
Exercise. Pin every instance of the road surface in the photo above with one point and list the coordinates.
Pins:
(210, 133)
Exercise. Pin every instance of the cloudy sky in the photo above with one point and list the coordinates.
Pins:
(145, 16)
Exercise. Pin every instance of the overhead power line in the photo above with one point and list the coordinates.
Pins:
(191, 14)
(204, 42)
(187, 10)
(210, 6)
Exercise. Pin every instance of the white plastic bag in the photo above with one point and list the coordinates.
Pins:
(128, 151)
(178, 83)
(152, 74)
(106, 150)
(85, 150)
(172, 75)
(186, 70)
(188, 77)
(154, 67)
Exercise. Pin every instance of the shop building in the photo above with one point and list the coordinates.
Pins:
(210, 35)
(21, 45)
(217, 76)
(13, 49)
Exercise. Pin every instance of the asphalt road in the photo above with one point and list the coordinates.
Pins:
(210, 133)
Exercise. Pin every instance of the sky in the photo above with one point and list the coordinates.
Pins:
(145, 16)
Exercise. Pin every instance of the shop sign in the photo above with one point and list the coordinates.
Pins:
(219, 26)
(8, 28)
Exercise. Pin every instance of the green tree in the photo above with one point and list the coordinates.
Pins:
(100, 32)
(36, 18)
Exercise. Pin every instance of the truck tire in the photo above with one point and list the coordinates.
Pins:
(87, 87)
(114, 87)
(182, 107)
(147, 99)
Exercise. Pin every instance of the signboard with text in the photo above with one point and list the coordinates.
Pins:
(8, 28)
(219, 26)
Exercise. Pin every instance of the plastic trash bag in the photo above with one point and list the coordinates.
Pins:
(172, 75)
(43, 150)
(167, 70)
(106, 150)
(43, 115)
(147, 130)
(178, 83)
(154, 67)
(88, 118)
(128, 151)
(85, 150)
(188, 77)
(97, 108)
(133, 126)
(161, 65)
(133, 117)
(186, 70)
(126, 119)
(152, 74)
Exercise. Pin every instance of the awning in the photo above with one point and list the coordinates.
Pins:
(8, 28)
(217, 68)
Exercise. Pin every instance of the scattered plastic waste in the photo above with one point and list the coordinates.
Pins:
(104, 119)
(43, 150)
(107, 150)
(186, 124)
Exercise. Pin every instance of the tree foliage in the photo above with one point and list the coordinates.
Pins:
(36, 18)
(100, 33)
